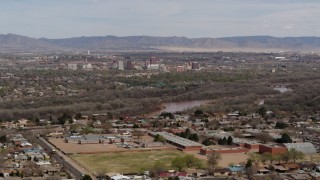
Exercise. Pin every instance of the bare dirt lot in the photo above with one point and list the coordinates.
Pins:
(226, 159)
(74, 148)
(81, 148)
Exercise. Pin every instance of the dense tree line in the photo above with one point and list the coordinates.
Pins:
(111, 91)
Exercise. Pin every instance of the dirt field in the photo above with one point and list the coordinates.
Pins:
(73, 148)
(81, 148)
(226, 159)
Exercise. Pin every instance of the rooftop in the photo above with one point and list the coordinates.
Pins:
(176, 139)
(306, 147)
(221, 135)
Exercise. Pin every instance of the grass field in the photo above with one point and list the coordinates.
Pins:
(126, 162)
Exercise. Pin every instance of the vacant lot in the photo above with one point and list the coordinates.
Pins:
(82, 148)
(226, 159)
(73, 147)
(126, 162)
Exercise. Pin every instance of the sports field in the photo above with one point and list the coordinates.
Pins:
(126, 162)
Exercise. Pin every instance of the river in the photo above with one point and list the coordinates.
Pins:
(179, 106)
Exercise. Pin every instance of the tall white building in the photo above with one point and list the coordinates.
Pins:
(120, 65)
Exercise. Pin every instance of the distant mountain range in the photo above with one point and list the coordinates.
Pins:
(17, 43)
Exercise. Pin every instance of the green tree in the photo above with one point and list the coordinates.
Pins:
(249, 163)
(109, 116)
(86, 177)
(207, 142)
(285, 138)
(295, 154)
(87, 130)
(281, 125)
(61, 121)
(198, 112)
(229, 140)
(179, 163)
(64, 118)
(278, 158)
(255, 158)
(264, 158)
(192, 161)
(158, 167)
(269, 156)
(285, 157)
(37, 121)
(159, 138)
(3, 139)
(167, 114)
(223, 141)
(187, 132)
(193, 137)
(78, 116)
(174, 178)
(262, 111)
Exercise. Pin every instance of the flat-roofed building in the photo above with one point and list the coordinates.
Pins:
(305, 147)
(180, 142)
(271, 148)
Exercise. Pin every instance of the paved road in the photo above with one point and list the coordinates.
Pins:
(64, 160)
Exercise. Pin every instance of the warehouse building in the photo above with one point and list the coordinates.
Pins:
(271, 148)
(182, 143)
(306, 147)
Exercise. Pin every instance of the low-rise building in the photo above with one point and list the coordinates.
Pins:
(210, 150)
(180, 142)
(305, 147)
(271, 148)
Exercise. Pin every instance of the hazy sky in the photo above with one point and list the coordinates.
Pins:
(191, 18)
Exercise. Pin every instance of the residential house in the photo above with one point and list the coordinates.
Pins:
(52, 170)
(20, 157)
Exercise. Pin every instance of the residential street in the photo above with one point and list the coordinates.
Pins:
(76, 171)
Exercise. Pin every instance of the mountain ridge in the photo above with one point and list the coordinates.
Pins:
(18, 43)
(12, 42)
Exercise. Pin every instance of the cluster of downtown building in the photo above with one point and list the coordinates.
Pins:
(153, 63)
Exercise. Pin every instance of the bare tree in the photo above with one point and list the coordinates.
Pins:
(251, 171)
(295, 154)
(263, 137)
(101, 173)
(285, 157)
(138, 133)
(255, 158)
(213, 160)
(106, 127)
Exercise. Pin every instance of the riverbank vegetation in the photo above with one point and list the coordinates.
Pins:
(50, 93)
